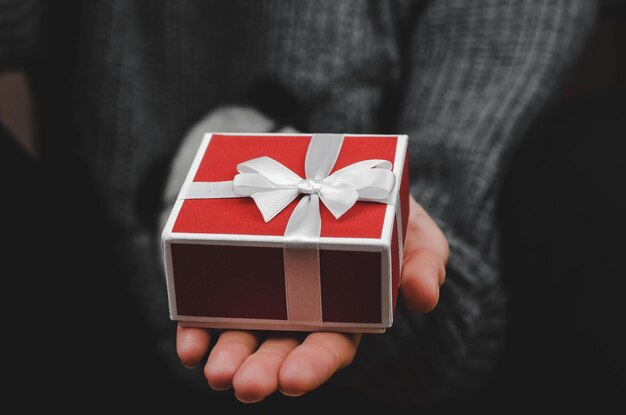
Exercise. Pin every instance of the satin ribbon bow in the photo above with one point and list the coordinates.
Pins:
(274, 186)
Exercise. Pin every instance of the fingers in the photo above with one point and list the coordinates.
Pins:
(425, 256)
(230, 351)
(191, 344)
(315, 361)
(280, 362)
(258, 375)
(422, 273)
(423, 232)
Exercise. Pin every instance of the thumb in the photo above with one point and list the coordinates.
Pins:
(425, 257)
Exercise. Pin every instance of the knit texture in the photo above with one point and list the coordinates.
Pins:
(463, 79)
(19, 32)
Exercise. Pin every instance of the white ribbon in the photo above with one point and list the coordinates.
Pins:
(273, 186)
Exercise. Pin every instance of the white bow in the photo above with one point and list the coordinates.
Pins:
(274, 186)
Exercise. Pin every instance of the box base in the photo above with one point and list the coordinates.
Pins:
(279, 326)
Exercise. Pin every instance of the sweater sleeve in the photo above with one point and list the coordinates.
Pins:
(477, 73)
(19, 31)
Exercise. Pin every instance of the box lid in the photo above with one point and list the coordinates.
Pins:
(219, 156)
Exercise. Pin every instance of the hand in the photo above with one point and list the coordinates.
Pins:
(284, 361)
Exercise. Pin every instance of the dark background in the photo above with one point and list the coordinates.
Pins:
(562, 213)
(563, 246)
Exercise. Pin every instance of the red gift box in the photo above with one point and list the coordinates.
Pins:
(230, 265)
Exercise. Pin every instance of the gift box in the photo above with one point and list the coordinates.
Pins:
(289, 232)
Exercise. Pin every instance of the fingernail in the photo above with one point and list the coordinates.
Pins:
(190, 367)
(242, 400)
(218, 388)
(291, 395)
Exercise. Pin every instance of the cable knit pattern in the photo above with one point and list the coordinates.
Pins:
(462, 78)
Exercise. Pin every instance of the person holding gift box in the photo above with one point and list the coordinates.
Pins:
(462, 79)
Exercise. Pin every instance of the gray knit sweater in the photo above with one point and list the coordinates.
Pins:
(462, 78)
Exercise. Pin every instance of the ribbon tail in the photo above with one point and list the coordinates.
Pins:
(270, 203)
(305, 224)
(338, 202)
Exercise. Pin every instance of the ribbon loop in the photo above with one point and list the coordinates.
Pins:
(275, 172)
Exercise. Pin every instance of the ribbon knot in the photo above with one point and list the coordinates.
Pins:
(308, 186)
